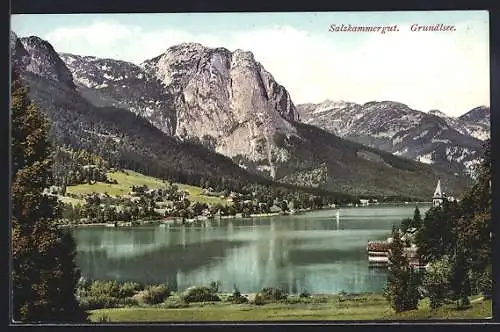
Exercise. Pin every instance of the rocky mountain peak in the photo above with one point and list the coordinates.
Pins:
(479, 114)
(38, 57)
(218, 94)
(438, 113)
(17, 51)
(13, 39)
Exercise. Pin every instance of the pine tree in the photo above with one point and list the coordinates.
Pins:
(44, 273)
(406, 224)
(417, 219)
(459, 281)
(402, 284)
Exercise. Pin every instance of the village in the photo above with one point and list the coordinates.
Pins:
(137, 201)
(167, 203)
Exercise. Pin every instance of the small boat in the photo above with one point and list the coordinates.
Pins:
(189, 221)
(378, 259)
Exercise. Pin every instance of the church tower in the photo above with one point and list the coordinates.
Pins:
(437, 199)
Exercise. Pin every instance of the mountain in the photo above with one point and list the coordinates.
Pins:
(431, 138)
(227, 101)
(195, 111)
(477, 122)
(111, 83)
(116, 134)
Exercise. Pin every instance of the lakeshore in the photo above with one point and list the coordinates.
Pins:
(178, 220)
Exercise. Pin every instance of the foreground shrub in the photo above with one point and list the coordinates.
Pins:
(175, 302)
(128, 302)
(129, 289)
(485, 282)
(104, 302)
(237, 298)
(304, 294)
(274, 294)
(259, 299)
(200, 294)
(155, 294)
(98, 302)
(436, 282)
(104, 289)
(106, 294)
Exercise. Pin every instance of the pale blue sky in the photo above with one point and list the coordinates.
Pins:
(443, 70)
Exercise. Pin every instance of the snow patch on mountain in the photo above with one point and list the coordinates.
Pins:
(401, 130)
(422, 134)
(401, 152)
(426, 158)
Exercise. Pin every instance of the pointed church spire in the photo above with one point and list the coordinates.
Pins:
(437, 199)
(437, 192)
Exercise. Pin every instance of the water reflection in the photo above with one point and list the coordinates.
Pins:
(304, 252)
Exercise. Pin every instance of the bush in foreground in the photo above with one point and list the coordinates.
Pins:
(103, 302)
(155, 294)
(237, 298)
(259, 299)
(200, 294)
(129, 289)
(175, 302)
(436, 282)
(304, 294)
(274, 294)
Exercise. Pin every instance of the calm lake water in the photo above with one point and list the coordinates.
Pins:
(303, 252)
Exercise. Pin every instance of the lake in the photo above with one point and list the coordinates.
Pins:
(301, 252)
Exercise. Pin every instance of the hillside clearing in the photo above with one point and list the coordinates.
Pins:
(126, 180)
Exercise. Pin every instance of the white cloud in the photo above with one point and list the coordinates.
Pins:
(447, 71)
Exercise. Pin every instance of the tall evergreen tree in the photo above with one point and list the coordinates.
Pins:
(417, 218)
(459, 279)
(402, 284)
(44, 274)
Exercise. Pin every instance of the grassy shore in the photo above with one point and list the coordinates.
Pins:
(128, 179)
(317, 307)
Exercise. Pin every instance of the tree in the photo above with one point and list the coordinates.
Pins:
(43, 256)
(283, 206)
(437, 236)
(417, 218)
(437, 282)
(406, 224)
(459, 280)
(402, 283)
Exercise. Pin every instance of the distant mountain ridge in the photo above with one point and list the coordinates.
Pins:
(432, 138)
(206, 112)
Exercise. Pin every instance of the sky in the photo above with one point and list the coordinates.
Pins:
(444, 70)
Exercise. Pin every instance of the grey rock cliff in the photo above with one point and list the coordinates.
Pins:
(226, 100)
